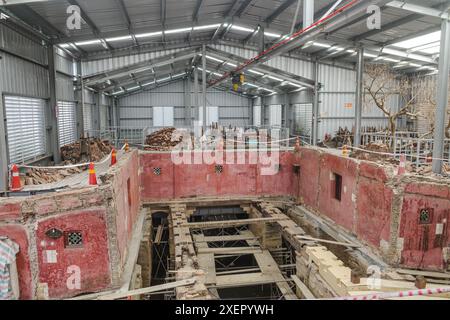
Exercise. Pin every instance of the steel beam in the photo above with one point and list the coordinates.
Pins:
(141, 67)
(90, 23)
(423, 10)
(16, 2)
(359, 97)
(279, 10)
(198, 4)
(54, 138)
(126, 16)
(231, 9)
(344, 14)
(442, 97)
(243, 7)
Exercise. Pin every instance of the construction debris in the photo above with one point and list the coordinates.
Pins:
(375, 152)
(84, 150)
(162, 140)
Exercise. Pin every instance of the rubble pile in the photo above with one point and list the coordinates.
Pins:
(162, 140)
(84, 150)
(374, 153)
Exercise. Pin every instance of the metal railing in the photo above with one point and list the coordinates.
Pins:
(137, 135)
(411, 144)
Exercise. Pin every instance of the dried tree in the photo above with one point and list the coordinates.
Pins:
(426, 88)
(382, 86)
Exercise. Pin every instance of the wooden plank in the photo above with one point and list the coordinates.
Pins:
(238, 237)
(430, 274)
(345, 244)
(269, 267)
(162, 287)
(303, 288)
(246, 279)
(159, 233)
(230, 250)
(230, 223)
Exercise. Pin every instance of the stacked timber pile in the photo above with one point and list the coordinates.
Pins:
(162, 140)
(84, 150)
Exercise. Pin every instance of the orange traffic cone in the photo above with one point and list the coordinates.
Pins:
(113, 157)
(345, 151)
(15, 179)
(402, 166)
(92, 176)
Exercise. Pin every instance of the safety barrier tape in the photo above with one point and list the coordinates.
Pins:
(69, 165)
(393, 154)
(400, 294)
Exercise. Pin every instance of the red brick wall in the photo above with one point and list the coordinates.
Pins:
(366, 208)
(18, 234)
(189, 180)
(127, 202)
(91, 257)
(95, 211)
(423, 243)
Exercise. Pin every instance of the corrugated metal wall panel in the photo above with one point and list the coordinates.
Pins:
(63, 62)
(89, 97)
(64, 88)
(18, 44)
(21, 77)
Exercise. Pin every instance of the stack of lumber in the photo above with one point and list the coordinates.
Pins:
(90, 149)
(163, 140)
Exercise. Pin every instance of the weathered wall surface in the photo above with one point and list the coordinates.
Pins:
(189, 180)
(380, 208)
(103, 215)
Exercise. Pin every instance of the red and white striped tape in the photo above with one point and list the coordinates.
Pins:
(401, 294)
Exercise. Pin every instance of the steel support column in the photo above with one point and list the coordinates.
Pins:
(315, 116)
(204, 86)
(286, 110)
(187, 102)
(359, 97)
(442, 97)
(261, 39)
(196, 97)
(98, 113)
(308, 13)
(3, 149)
(54, 141)
(80, 106)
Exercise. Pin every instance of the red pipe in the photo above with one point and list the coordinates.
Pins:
(288, 39)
